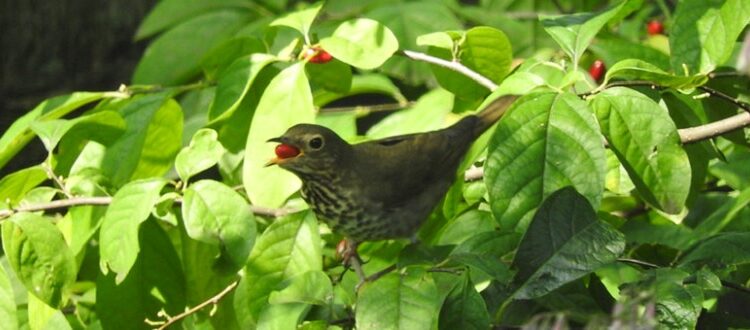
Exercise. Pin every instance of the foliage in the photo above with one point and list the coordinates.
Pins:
(600, 204)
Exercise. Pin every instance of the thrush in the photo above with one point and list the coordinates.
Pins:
(379, 189)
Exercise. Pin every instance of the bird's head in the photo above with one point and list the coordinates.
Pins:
(307, 149)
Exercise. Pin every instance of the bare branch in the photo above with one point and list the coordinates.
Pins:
(714, 129)
(369, 108)
(106, 200)
(211, 301)
(721, 95)
(455, 66)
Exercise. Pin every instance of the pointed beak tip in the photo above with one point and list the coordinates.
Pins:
(276, 139)
(273, 161)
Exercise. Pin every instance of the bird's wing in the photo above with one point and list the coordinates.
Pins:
(399, 168)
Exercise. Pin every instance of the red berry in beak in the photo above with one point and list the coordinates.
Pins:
(286, 151)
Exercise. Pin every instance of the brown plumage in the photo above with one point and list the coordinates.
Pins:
(384, 188)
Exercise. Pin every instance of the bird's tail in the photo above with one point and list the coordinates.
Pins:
(492, 112)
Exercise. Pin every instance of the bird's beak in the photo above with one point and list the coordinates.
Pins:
(273, 161)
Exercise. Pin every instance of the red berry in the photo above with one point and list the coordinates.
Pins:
(655, 27)
(597, 70)
(318, 55)
(286, 151)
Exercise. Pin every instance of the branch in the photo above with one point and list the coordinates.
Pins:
(714, 129)
(451, 65)
(211, 301)
(369, 108)
(713, 92)
(106, 200)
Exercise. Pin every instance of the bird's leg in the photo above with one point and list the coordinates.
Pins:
(348, 251)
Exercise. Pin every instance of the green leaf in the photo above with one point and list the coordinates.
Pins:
(169, 13)
(362, 43)
(38, 254)
(299, 20)
(290, 246)
(704, 33)
(487, 51)
(313, 287)
(443, 40)
(613, 50)
(363, 84)
(408, 21)
(544, 142)
(152, 139)
(118, 236)
(335, 76)
(14, 186)
(531, 74)
(175, 56)
(429, 113)
(102, 127)
(154, 283)
(404, 300)
(7, 301)
(574, 32)
(233, 127)
(286, 101)
(235, 83)
(677, 305)
(486, 251)
(464, 226)
(633, 69)
(214, 213)
(222, 56)
(719, 251)
(42, 316)
(645, 140)
(19, 133)
(203, 281)
(483, 49)
(203, 152)
(464, 308)
(565, 241)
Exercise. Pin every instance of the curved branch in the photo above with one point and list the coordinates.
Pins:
(451, 65)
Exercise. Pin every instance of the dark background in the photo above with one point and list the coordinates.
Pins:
(50, 48)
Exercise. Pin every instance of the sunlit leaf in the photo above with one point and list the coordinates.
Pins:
(38, 254)
(118, 236)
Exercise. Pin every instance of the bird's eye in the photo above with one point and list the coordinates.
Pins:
(316, 142)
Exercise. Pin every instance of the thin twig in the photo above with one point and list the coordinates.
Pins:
(638, 262)
(721, 95)
(735, 286)
(369, 108)
(455, 66)
(211, 301)
(106, 200)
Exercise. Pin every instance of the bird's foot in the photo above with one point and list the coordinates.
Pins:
(350, 258)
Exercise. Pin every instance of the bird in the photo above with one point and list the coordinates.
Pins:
(379, 189)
